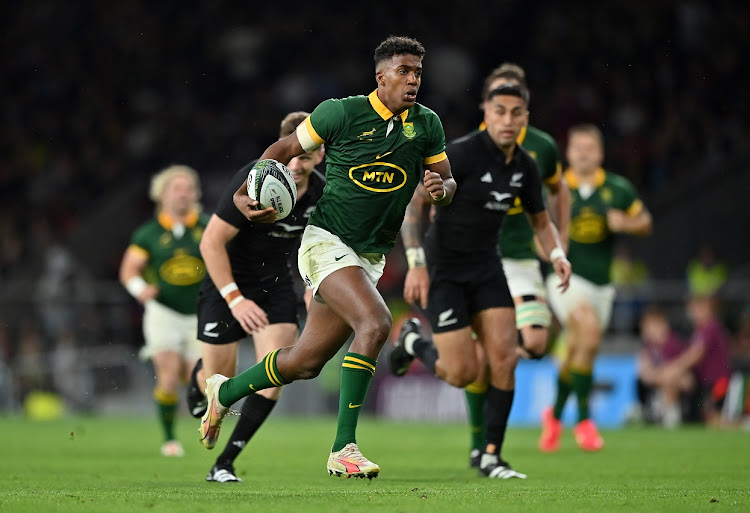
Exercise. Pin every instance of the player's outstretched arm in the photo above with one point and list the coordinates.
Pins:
(639, 224)
(417, 281)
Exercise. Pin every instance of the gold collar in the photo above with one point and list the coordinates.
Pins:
(382, 110)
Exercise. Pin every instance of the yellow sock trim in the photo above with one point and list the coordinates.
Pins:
(351, 362)
(269, 368)
(476, 387)
(585, 371)
(163, 397)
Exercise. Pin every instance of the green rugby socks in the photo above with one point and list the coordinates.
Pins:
(356, 374)
(264, 374)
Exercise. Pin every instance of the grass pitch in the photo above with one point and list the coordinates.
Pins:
(113, 465)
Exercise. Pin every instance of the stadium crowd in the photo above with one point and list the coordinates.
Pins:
(97, 95)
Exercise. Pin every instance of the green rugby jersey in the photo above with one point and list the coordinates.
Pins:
(374, 161)
(591, 244)
(517, 235)
(174, 265)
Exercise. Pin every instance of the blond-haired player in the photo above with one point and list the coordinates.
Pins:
(162, 269)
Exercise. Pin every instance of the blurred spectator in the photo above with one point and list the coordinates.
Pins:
(708, 356)
(739, 351)
(660, 389)
(706, 274)
(697, 373)
(736, 410)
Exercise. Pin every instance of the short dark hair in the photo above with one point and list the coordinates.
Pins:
(587, 128)
(398, 45)
(508, 70)
(290, 122)
(510, 90)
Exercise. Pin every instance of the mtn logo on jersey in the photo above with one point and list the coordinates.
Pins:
(497, 201)
(208, 329)
(486, 178)
(378, 176)
(445, 319)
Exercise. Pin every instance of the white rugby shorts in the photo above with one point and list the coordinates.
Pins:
(581, 290)
(167, 330)
(524, 277)
(321, 253)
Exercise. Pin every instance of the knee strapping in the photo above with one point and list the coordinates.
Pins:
(532, 313)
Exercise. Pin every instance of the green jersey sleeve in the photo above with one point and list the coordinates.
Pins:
(327, 121)
(625, 197)
(436, 145)
(142, 237)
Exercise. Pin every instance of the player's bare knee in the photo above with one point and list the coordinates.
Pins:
(307, 370)
(372, 333)
(534, 341)
(300, 364)
(504, 360)
(460, 375)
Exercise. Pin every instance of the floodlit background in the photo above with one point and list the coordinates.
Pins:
(98, 96)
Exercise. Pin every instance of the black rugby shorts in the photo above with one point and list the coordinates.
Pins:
(217, 325)
(457, 294)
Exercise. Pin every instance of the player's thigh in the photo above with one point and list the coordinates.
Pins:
(220, 358)
(351, 294)
(345, 281)
(493, 315)
(322, 336)
(274, 336)
(456, 350)
(496, 329)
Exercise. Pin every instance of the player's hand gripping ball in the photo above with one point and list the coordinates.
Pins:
(272, 185)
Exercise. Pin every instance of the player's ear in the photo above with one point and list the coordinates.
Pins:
(380, 77)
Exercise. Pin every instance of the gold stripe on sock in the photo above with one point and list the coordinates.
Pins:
(476, 387)
(585, 371)
(362, 362)
(269, 368)
(163, 397)
(358, 367)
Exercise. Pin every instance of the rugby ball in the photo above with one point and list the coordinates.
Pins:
(272, 185)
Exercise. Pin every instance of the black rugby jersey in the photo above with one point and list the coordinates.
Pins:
(467, 230)
(260, 251)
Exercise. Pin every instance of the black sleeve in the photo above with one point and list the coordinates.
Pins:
(226, 208)
(531, 193)
(456, 153)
